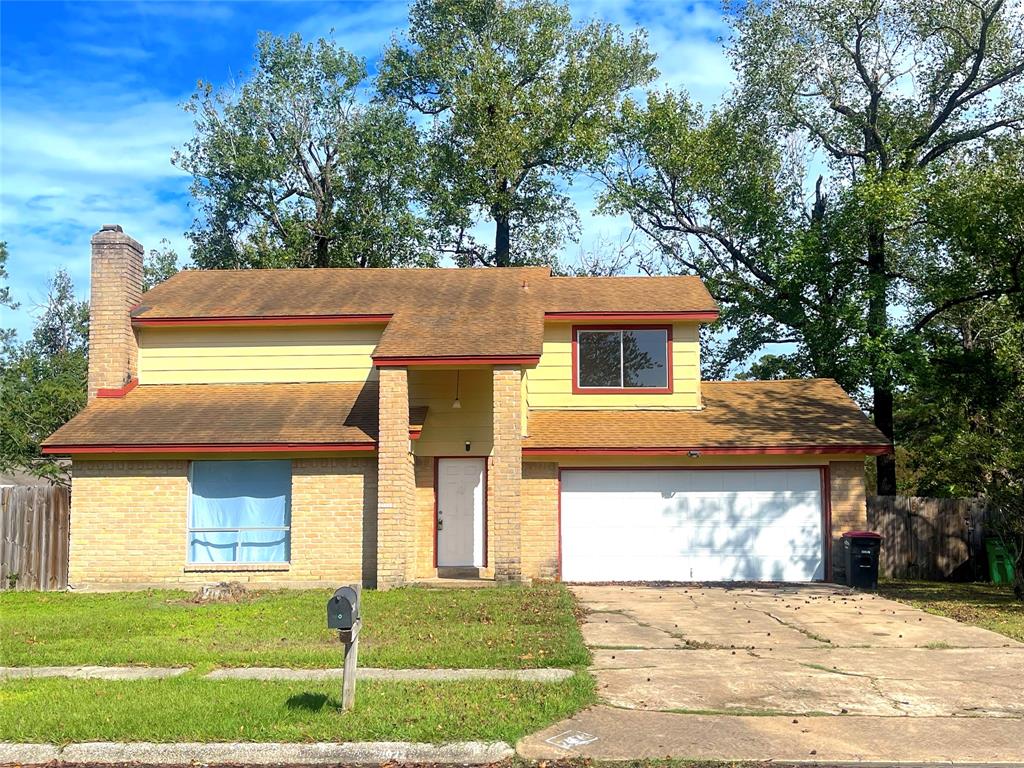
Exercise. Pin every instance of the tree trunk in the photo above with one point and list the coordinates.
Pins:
(881, 385)
(501, 242)
(323, 256)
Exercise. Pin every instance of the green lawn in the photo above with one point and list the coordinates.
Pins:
(413, 627)
(990, 606)
(189, 709)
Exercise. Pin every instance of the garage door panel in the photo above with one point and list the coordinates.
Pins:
(691, 525)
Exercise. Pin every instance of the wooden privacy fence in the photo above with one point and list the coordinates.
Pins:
(928, 538)
(34, 522)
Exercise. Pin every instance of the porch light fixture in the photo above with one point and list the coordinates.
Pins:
(455, 403)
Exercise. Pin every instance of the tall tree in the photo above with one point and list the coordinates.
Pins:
(519, 99)
(882, 95)
(43, 381)
(7, 335)
(159, 264)
(292, 168)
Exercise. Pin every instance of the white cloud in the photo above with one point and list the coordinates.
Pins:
(82, 149)
(68, 170)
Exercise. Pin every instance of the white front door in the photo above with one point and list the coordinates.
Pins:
(692, 525)
(460, 512)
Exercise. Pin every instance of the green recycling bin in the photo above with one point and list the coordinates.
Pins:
(1000, 564)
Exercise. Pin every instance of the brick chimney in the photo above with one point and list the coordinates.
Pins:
(116, 289)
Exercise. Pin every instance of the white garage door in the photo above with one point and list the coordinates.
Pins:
(692, 525)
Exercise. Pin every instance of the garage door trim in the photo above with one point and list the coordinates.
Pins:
(823, 472)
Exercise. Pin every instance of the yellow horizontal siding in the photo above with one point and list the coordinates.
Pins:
(549, 384)
(447, 429)
(251, 355)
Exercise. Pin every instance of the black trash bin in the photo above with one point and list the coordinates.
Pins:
(860, 552)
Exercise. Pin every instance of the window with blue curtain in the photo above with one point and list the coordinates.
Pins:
(240, 512)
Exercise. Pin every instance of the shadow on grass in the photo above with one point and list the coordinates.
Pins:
(311, 702)
(938, 592)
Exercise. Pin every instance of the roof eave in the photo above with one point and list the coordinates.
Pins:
(771, 450)
(118, 448)
(698, 316)
(385, 361)
(177, 322)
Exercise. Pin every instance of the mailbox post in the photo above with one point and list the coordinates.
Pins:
(343, 615)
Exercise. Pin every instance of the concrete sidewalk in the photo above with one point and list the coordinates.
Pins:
(250, 753)
(606, 733)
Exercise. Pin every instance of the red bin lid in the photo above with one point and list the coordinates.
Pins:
(861, 535)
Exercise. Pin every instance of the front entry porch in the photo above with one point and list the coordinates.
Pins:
(449, 500)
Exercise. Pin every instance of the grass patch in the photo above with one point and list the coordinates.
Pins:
(507, 627)
(991, 606)
(191, 709)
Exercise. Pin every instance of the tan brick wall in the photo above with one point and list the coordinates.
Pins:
(540, 519)
(506, 473)
(396, 483)
(334, 510)
(129, 524)
(424, 517)
(849, 506)
(116, 287)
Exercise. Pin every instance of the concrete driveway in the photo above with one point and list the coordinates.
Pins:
(793, 650)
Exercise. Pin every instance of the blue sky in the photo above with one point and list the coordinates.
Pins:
(90, 109)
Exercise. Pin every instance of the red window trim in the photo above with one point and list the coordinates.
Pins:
(578, 390)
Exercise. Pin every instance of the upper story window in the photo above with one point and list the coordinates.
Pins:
(622, 359)
(239, 512)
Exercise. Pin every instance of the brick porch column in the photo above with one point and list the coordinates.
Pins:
(506, 473)
(395, 481)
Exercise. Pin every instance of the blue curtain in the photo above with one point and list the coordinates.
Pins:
(239, 495)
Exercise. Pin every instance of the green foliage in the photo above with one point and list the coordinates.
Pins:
(43, 381)
(962, 418)
(292, 169)
(159, 264)
(7, 335)
(891, 94)
(520, 98)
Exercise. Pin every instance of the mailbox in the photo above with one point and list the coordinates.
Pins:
(343, 609)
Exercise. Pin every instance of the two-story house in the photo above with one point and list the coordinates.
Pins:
(302, 427)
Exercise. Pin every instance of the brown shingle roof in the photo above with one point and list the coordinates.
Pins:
(229, 414)
(807, 413)
(435, 312)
